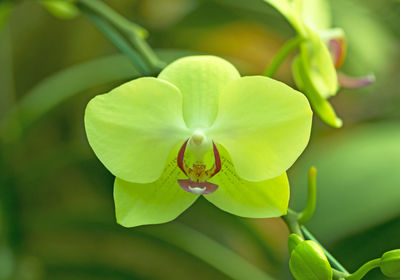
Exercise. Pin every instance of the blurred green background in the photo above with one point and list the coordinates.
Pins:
(56, 207)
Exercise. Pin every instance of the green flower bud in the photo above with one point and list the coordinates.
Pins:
(390, 264)
(307, 260)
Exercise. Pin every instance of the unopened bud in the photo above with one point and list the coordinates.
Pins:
(390, 264)
(307, 260)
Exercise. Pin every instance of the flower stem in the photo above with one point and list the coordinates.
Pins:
(287, 48)
(363, 270)
(119, 42)
(134, 33)
(305, 215)
(291, 221)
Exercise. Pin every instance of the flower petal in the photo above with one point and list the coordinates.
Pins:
(316, 14)
(133, 128)
(264, 199)
(153, 203)
(200, 79)
(320, 105)
(291, 10)
(264, 125)
(319, 65)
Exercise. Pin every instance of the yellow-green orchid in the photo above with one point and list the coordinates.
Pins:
(198, 129)
(321, 52)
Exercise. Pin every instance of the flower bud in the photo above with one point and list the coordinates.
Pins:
(390, 264)
(307, 260)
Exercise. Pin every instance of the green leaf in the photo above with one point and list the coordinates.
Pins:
(133, 128)
(357, 177)
(153, 203)
(57, 88)
(263, 124)
(209, 251)
(200, 79)
(264, 199)
(64, 84)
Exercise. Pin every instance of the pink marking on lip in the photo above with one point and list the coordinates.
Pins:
(197, 187)
(355, 82)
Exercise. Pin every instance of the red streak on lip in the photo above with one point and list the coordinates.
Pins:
(337, 49)
(181, 155)
(217, 159)
(202, 187)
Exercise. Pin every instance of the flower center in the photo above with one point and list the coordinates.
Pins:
(197, 173)
(199, 145)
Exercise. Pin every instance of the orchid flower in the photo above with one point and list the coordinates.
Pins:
(322, 52)
(198, 129)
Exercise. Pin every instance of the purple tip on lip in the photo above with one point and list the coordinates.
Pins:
(197, 187)
(355, 82)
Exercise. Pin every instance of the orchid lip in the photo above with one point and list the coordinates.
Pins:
(208, 173)
(197, 187)
(355, 82)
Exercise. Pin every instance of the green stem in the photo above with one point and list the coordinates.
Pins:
(363, 270)
(338, 274)
(118, 41)
(134, 32)
(287, 48)
(291, 221)
(332, 260)
(115, 18)
(147, 52)
(308, 212)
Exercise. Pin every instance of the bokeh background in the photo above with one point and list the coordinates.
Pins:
(56, 206)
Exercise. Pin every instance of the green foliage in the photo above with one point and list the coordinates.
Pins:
(6, 8)
(361, 166)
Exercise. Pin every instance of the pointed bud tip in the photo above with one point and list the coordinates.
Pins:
(313, 171)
